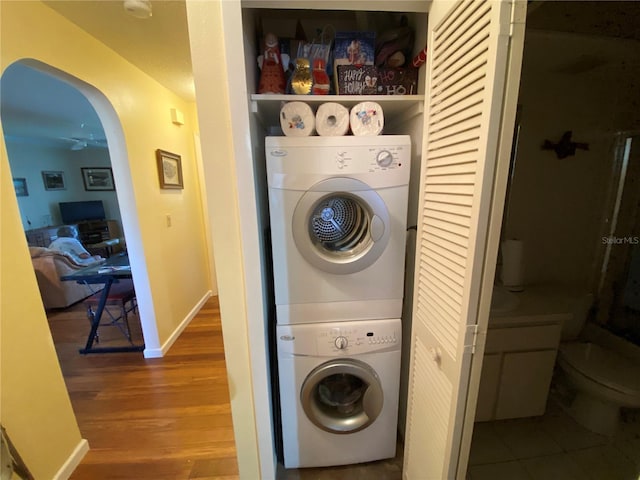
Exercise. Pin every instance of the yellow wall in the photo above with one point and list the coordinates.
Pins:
(176, 257)
(31, 384)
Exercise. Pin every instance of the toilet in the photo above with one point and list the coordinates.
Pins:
(604, 381)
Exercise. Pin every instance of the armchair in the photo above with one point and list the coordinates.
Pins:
(49, 266)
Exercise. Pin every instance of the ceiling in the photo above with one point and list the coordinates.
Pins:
(39, 109)
(618, 19)
(158, 45)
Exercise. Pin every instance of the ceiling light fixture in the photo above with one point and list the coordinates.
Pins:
(138, 8)
(79, 145)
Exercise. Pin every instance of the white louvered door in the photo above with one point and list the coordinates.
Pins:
(469, 44)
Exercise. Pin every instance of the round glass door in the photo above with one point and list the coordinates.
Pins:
(342, 396)
(341, 226)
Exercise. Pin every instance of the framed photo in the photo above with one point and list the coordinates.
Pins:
(98, 179)
(53, 180)
(169, 169)
(20, 186)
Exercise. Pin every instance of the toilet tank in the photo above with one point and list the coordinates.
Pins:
(579, 306)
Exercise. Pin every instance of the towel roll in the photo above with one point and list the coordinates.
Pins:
(297, 119)
(332, 120)
(366, 119)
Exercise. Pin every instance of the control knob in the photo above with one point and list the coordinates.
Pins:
(341, 342)
(384, 158)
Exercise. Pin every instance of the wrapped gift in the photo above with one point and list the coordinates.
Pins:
(352, 48)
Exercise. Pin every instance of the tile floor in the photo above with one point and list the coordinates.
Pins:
(551, 447)
(554, 447)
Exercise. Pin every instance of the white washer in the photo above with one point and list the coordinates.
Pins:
(339, 391)
(338, 209)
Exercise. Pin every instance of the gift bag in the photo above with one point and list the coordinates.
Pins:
(312, 63)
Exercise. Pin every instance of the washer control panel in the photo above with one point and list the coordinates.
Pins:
(355, 339)
(351, 341)
(339, 338)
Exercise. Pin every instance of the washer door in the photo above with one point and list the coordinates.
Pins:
(342, 396)
(341, 226)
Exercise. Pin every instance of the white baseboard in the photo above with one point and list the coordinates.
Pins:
(73, 461)
(160, 352)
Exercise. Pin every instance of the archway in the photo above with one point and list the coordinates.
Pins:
(114, 136)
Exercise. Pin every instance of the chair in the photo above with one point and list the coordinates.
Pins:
(120, 294)
(49, 266)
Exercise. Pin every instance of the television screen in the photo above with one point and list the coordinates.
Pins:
(74, 212)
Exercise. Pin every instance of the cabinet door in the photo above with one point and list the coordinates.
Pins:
(524, 384)
(488, 393)
(466, 76)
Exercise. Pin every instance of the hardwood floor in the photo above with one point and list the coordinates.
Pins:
(166, 418)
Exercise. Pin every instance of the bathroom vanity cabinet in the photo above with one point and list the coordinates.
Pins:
(517, 369)
(520, 353)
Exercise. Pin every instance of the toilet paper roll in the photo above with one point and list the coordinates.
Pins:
(297, 119)
(512, 258)
(332, 120)
(366, 119)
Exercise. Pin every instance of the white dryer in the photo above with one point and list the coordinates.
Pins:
(338, 209)
(339, 391)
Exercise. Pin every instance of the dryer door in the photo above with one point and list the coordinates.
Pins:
(341, 225)
(342, 396)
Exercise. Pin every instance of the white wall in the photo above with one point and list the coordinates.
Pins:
(40, 207)
(555, 206)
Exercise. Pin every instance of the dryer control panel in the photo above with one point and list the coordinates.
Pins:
(299, 163)
(340, 338)
(371, 159)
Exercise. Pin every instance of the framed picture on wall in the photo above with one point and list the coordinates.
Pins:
(98, 179)
(20, 186)
(53, 180)
(169, 169)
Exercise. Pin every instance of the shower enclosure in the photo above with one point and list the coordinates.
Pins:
(618, 289)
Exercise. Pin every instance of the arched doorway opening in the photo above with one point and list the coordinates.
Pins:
(39, 121)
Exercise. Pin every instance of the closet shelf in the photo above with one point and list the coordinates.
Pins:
(396, 108)
(371, 5)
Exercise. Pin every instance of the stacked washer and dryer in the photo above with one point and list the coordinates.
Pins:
(338, 209)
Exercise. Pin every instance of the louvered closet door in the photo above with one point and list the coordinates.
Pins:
(469, 42)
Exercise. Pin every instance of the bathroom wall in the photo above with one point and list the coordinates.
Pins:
(588, 85)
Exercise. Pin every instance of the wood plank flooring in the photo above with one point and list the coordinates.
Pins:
(166, 418)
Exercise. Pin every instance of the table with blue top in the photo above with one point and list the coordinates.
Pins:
(111, 271)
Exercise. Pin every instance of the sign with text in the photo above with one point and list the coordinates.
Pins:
(369, 80)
